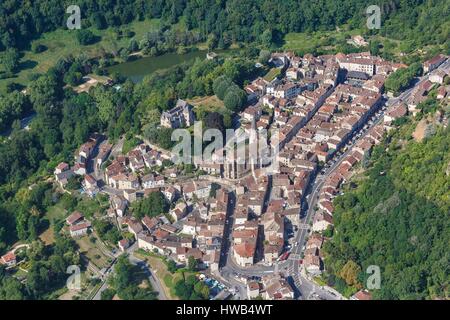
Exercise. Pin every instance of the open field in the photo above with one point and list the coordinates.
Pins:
(92, 253)
(209, 103)
(272, 74)
(308, 41)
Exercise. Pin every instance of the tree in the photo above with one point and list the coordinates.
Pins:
(108, 294)
(264, 56)
(267, 38)
(192, 263)
(235, 99)
(220, 86)
(85, 37)
(10, 60)
(349, 273)
(151, 206)
(172, 266)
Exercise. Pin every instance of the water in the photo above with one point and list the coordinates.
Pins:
(136, 70)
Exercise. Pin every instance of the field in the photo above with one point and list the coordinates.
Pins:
(272, 74)
(62, 43)
(92, 252)
(308, 41)
(209, 103)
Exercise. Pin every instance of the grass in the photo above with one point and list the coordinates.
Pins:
(308, 41)
(209, 103)
(56, 213)
(62, 43)
(92, 253)
(272, 74)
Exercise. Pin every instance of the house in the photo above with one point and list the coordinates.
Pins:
(200, 189)
(181, 115)
(63, 177)
(123, 244)
(61, 168)
(362, 295)
(124, 181)
(9, 259)
(244, 253)
(79, 169)
(119, 204)
(253, 290)
(179, 212)
(170, 193)
(359, 41)
(438, 77)
(150, 223)
(313, 264)
(251, 113)
(276, 288)
(80, 229)
(74, 218)
(150, 181)
(90, 182)
(433, 63)
(103, 153)
(135, 227)
(321, 221)
(441, 93)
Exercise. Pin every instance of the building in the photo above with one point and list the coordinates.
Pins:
(74, 218)
(244, 253)
(433, 63)
(9, 259)
(253, 290)
(80, 229)
(277, 288)
(181, 115)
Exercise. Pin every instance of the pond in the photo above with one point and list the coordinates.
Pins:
(136, 70)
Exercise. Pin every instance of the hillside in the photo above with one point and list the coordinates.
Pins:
(396, 217)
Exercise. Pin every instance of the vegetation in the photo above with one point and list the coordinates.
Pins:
(191, 288)
(403, 78)
(126, 281)
(152, 206)
(397, 221)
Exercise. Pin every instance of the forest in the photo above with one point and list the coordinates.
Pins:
(420, 21)
(396, 218)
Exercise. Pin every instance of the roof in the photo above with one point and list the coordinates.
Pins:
(363, 295)
(246, 249)
(9, 257)
(80, 226)
(74, 217)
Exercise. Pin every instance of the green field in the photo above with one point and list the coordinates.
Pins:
(308, 41)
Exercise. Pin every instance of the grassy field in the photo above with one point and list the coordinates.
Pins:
(91, 251)
(308, 41)
(62, 43)
(272, 74)
(56, 213)
(209, 103)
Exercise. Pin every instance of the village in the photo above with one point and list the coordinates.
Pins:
(240, 219)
